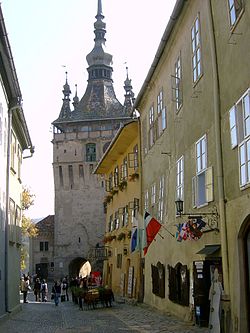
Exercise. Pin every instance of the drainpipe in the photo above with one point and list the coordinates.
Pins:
(6, 252)
(218, 145)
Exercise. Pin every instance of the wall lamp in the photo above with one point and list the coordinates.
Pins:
(213, 216)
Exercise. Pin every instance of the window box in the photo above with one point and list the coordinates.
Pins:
(122, 185)
(121, 236)
(133, 176)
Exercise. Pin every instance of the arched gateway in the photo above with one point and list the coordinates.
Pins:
(75, 266)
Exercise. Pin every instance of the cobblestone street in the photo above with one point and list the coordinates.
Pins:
(68, 318)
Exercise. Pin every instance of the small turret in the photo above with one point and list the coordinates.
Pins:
(75, 99)
(129, 95)
(65, 110)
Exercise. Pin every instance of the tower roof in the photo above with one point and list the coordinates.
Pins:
(99, 101)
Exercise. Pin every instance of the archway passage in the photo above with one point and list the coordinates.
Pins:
(75, 266)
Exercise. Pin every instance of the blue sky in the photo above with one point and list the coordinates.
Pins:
(47, 35)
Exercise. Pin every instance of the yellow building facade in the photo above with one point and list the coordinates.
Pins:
(121, 169)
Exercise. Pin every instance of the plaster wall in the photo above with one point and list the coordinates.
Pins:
(184, 128)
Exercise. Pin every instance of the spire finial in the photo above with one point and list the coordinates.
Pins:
(99, 8)
(75, 99)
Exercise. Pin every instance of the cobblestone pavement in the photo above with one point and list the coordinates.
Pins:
(68, 318)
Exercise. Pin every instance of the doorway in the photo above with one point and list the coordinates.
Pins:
(202, 274)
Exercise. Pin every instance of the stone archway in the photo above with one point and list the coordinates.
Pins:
(75, 266)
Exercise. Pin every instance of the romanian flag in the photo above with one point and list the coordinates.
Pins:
(152, 226)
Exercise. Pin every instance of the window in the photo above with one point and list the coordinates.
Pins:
(12, 211)
(90, 152)
(71, 176)
(161, 199)
(202, 183)
(180, 178)
(116, 222)
(81, 172)
(110, 226)
(239, 120)
(119, 260)
(201, 155)
(161, 114)
(125, 216)
(179, 284)
(18, 216)
(19, 161)
(60, 175)
(196, 50)
(146, 199)
(176, 84)
(151, 127)
(13, 150)
(124, 169)
(44, 246)
(233, 129)
(116, 176)
(153, 192)
(244, 155)
(235, 7)
(133, 158)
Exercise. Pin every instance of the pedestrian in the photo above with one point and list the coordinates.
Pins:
(37, 289)
(65, 287)
(56, 291)
(44, 290)
(25, 288)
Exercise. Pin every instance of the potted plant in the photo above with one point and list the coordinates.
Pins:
(121, 236)
(122, 185)
(134, 176)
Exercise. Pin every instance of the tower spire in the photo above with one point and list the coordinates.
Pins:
(129, 95)
(75, 99)
(98, 57)
(65, 110)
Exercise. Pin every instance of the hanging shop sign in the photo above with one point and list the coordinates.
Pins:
(190, 230)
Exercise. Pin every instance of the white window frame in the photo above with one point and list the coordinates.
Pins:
(202, 183)
(244, 162)
(146, 201)
(201, 154)
(196, 50)
(233, 127)
(161, 114)
(151, 127)
(180, 178)
(161, 198)
(177, 86)
(153, 195)
(233, 14)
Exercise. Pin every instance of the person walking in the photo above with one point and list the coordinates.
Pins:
(37, 289)
(44, 290)
(56, 290)
(25, 288)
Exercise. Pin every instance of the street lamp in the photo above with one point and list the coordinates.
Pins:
(213, 216)
(179, 206)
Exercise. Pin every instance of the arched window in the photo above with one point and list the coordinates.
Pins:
(90, 152)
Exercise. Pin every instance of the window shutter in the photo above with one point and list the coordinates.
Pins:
(209, 184)
(194, 191)
(171, 283)
(184, 285)
(131, 160)
(107, 185)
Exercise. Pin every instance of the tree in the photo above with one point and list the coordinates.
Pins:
(28, 228)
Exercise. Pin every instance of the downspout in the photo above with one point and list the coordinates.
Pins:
(6, 252)
(218, 145)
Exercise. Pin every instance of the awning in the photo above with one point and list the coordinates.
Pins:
(209, 249)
